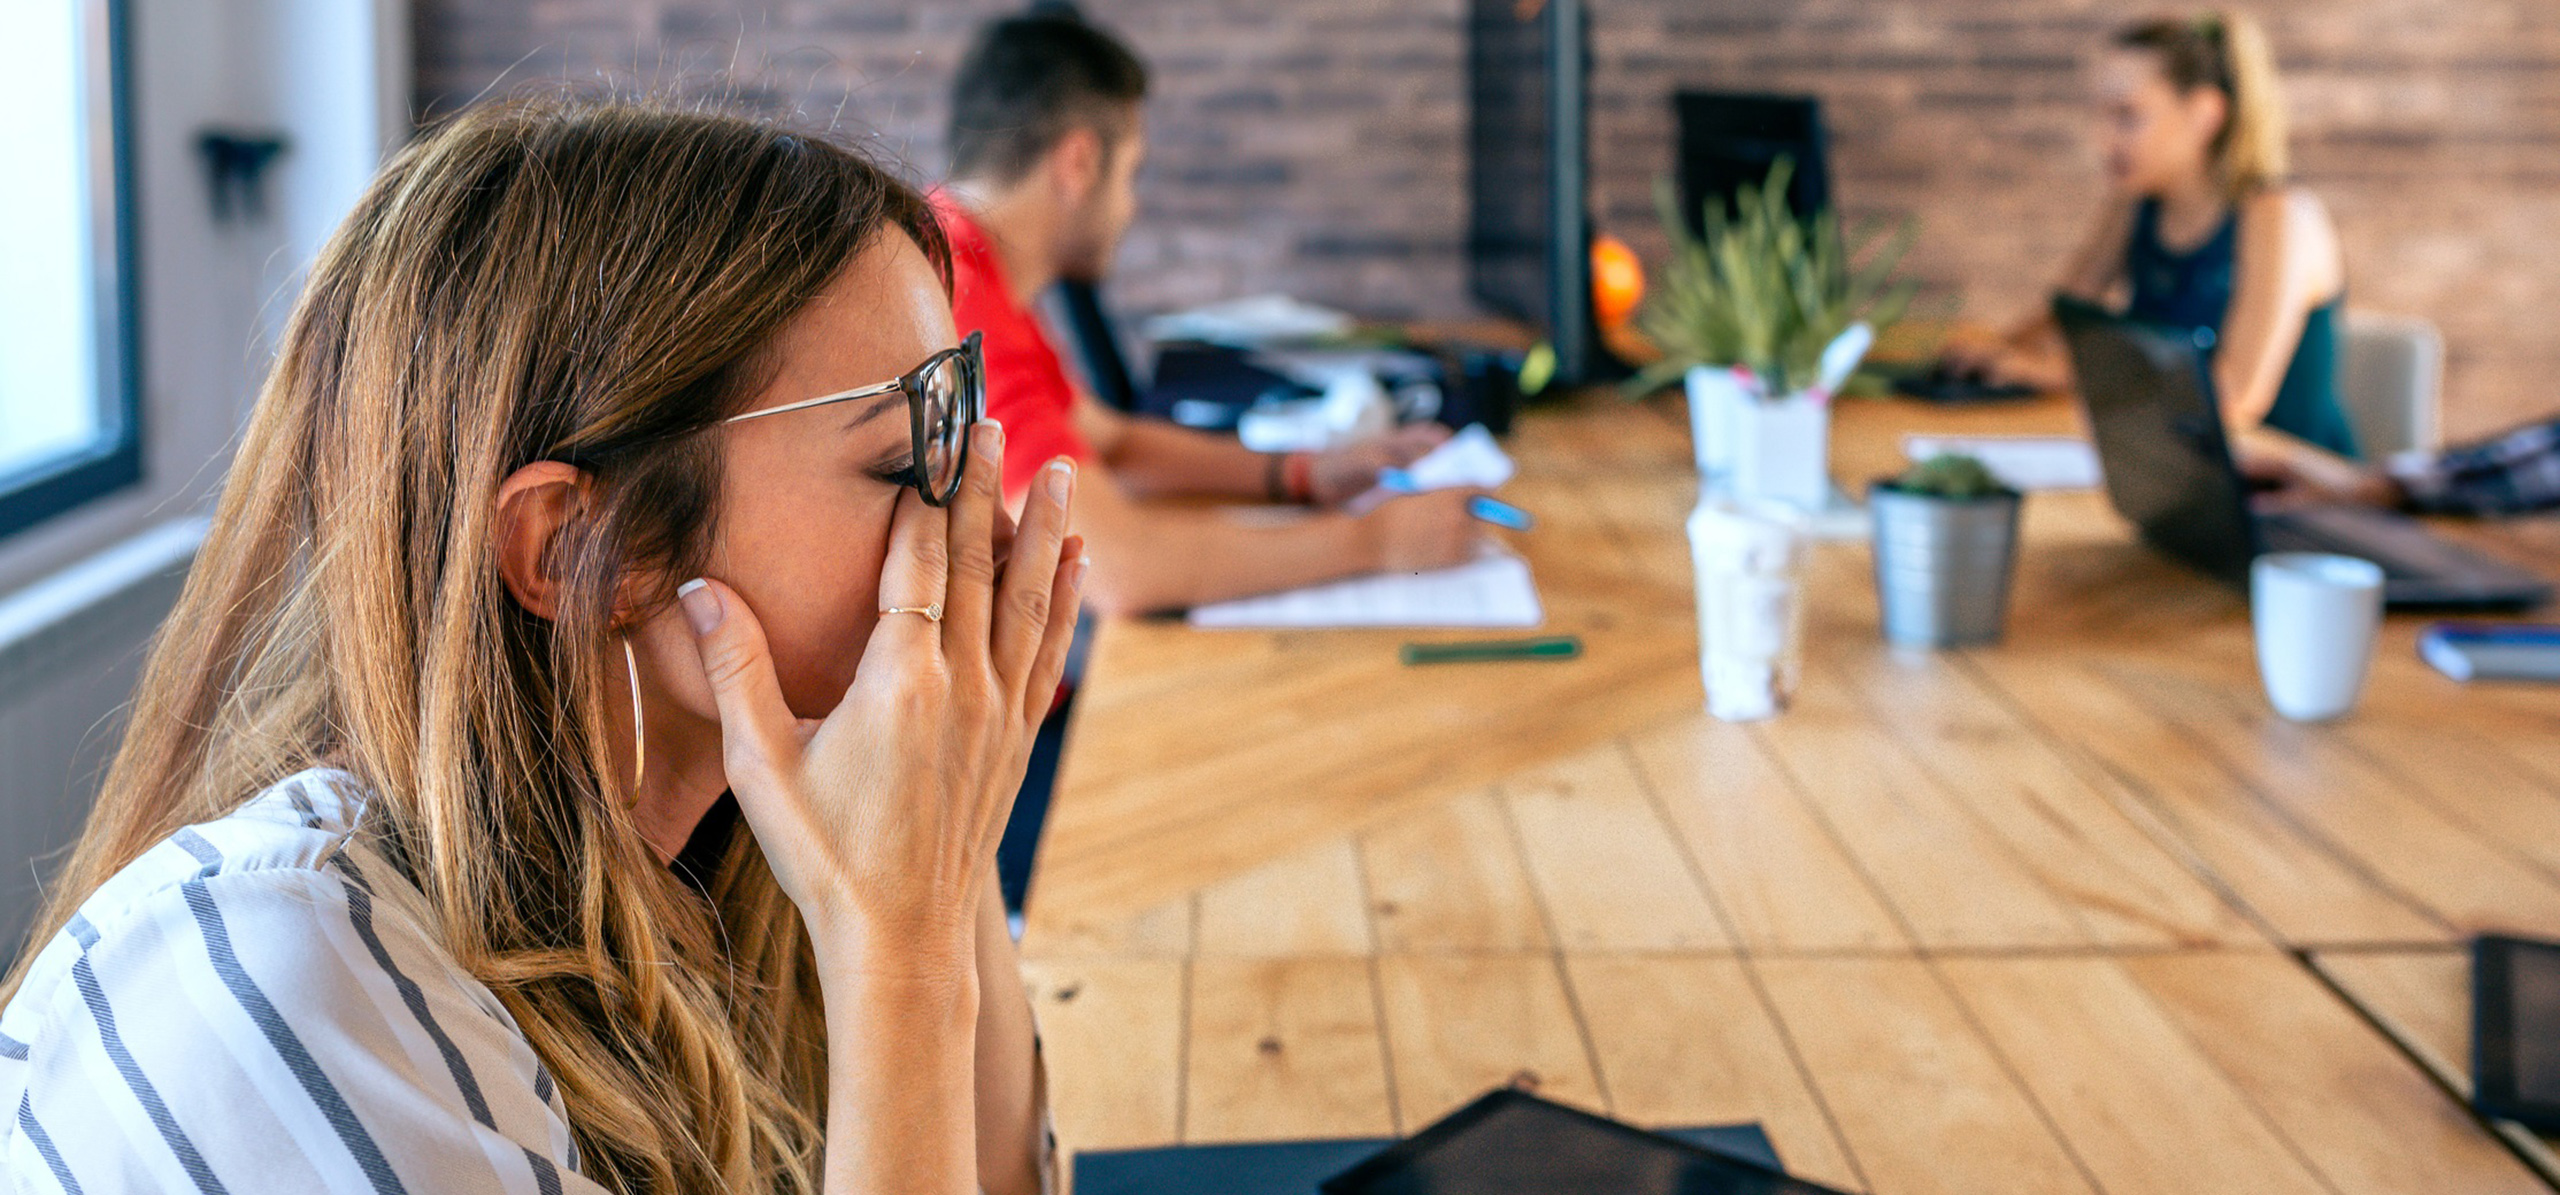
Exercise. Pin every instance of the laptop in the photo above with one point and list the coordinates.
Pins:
(2149, 393)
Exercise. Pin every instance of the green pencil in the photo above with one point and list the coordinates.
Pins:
(1556, 647)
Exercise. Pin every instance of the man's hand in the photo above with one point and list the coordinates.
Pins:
(1345, 473)
(1421, 532)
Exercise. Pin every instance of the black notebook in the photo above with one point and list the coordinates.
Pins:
(1297, 1167)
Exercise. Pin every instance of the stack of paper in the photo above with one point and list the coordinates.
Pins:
(1495, 590)
(1470, 458)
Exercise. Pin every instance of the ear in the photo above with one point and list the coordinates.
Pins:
(2208, 111)
(533, 504)
(1076, 164)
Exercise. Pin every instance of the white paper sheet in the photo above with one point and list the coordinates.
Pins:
(1470, 458)
(1495, 590)
(2023, 462)
(1251, 322)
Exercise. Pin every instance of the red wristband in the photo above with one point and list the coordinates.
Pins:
(1298, 475)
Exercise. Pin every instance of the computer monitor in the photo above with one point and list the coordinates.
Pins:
(1730, 140)
(1529, 231)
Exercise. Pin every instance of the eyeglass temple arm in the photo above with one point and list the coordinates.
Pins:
(822, 400)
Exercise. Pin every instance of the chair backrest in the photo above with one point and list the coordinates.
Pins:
(1094, 338)
(2392, 377)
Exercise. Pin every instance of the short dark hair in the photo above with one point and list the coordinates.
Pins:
(1028, 81)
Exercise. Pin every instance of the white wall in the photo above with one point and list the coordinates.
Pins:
(333, 76)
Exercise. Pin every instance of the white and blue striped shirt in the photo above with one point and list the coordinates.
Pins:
(257, 1005)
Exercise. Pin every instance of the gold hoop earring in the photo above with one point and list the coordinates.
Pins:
(639, 728)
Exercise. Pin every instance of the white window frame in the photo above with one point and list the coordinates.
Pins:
(112, 459)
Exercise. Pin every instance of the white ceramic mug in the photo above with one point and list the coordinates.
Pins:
(2315, 616)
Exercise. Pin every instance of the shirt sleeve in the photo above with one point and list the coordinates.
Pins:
(281, 1031)
(2512, 474)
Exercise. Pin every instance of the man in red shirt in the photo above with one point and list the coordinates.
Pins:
(1045, 142)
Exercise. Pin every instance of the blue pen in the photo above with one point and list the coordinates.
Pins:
(1500, 514)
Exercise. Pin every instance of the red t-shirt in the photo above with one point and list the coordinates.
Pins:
(1027, 387)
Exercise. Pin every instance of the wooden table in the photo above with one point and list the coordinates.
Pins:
(2072, 914)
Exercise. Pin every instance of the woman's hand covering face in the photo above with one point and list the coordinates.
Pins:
(880, 820)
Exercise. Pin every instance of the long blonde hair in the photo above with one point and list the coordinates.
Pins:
(2227, 51)
(585, 282)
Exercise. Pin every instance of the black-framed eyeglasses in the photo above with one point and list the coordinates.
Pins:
(945, 395)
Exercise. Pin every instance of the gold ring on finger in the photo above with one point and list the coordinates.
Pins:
(932, 613)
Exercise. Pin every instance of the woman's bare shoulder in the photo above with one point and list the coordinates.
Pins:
(2289, 210)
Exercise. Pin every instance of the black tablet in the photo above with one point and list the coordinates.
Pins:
(2515, 1030)
(1514, 1143)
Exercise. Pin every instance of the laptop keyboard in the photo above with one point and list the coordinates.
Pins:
(2287, 535)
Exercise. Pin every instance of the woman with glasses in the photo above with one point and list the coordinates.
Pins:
(2201, 230)
(576, 761)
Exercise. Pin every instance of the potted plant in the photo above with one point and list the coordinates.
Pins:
(1763, 318)
(1946, 536)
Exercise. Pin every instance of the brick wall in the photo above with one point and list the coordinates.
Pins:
(1316, 146)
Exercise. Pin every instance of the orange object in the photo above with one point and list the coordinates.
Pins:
(1617, 280)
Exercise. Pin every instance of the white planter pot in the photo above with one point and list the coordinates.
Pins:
(1782, 450)
(1714, 395)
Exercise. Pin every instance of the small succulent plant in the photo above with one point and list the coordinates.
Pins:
(1950, 475)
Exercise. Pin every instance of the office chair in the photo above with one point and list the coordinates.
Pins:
(1095, 342)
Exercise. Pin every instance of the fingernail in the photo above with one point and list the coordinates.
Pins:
(701, 605)
(990, 436)
(1062, 478)
(1075, 575)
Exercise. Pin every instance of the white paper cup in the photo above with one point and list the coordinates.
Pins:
(1748, 559)
(2315, 615)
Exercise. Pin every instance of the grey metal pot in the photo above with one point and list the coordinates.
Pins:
(1943, 566)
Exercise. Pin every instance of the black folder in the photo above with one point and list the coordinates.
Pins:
(1297, 1167)
(1512, 1143)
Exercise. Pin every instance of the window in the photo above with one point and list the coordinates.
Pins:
(69, 418)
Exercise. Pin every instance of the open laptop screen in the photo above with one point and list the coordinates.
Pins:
(2159, 436)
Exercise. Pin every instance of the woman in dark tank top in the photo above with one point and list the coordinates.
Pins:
(2202, 231)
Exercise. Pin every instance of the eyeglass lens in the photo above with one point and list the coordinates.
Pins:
(946, 393)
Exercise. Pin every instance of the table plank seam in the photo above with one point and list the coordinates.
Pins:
(2009, 1070)
(1182, 1048)
(2265, 1117)
(1802, 791)
(2245, 785)
(1653, 801)
(1743, 952)
(2128, 796)
(2134, 789)
(1377, 984)
(2451, 813)
(1920, 766)
(1555, 947)
(2519, 1140)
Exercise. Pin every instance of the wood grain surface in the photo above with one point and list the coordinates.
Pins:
(2075, 912)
